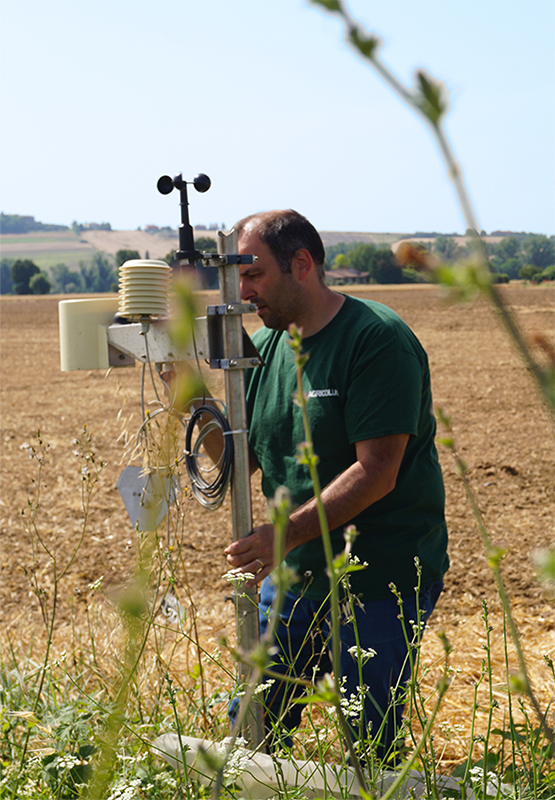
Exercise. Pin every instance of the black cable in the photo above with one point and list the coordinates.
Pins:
(209, 493)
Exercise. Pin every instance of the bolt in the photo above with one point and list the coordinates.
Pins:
(232, 363)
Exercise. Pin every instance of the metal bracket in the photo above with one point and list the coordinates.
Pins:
(236, 363)
(230, 308)
(130, 340)
(222, 260)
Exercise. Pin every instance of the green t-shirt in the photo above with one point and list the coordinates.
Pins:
(366, 376)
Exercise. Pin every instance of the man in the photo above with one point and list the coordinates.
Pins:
(370, 410)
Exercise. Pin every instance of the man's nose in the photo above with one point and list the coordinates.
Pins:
(246, 289)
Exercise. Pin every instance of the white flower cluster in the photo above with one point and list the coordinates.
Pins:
(238, 760)
(417, 628)
(237, 577)
(97, 583)
(68, 761)
(126, 789)
(494, 787)
(353, 706)
(26, 447)
(360, 654)
(263, 686)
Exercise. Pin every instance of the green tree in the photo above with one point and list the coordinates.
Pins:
(205, 244)
(384, 269)
(530, 272)
(508, 247)
(6, 282)
(22, 272)
(447, 247)
(334, 250)
(511, 267)
(64, 280)
(361, 257)
(126, 255)
(39, 284)
(340, 261)
(98, 275)
(539, 250)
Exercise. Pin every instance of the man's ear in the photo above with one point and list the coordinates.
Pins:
(302, 264)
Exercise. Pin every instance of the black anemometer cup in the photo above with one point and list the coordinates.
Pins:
(202, 183)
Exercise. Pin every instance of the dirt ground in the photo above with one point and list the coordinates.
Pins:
(503, 432)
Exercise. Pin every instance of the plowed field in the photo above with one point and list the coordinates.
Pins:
(503, 432)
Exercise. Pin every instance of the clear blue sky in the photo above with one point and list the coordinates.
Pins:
(101, 97)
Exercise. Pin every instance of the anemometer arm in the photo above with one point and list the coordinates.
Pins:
(187, 250)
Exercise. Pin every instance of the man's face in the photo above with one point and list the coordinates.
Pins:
(275, 293)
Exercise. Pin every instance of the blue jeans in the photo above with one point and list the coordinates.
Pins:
(303, 635)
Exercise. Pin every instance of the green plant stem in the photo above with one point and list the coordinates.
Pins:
(442, 689)
(434, 120)
(309, 457)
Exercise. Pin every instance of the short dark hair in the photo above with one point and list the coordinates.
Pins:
(285, 232)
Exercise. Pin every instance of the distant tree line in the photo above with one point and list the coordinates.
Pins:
(98, 275)
(78, 227)
(531, 257)
(15, 223)
(527, 256)
(23, 276)
(378, 262)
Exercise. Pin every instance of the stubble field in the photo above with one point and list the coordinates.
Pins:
(503, 432)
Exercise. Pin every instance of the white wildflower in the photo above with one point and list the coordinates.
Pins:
(353, 706)
(360, 654)
(237, 761)
(263, 686)
(126, 790)
(237, 577)
(68, 761)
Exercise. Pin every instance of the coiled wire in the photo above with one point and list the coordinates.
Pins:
(210, 494)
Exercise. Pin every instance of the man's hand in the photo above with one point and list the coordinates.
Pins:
(371, 477)
(254, 553)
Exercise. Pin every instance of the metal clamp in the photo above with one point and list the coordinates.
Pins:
(230, 309)
(236, 363)
(222, 260)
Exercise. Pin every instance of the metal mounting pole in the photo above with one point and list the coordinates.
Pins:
(241, 509)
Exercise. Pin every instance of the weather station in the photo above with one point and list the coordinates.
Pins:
(135, 326)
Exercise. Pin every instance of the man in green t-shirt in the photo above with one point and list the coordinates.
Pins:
(370, 410)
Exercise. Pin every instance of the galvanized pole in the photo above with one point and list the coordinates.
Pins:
(241, 509)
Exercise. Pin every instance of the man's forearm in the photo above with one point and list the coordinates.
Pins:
(371, 477)
(343, 499)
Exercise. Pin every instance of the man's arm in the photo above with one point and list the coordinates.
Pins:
(371, 477)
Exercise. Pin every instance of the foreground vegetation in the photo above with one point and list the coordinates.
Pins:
(80, 707)
(81, 704)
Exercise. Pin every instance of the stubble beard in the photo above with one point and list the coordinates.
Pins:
(284, 310)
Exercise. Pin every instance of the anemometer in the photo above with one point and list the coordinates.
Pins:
(100, 333)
